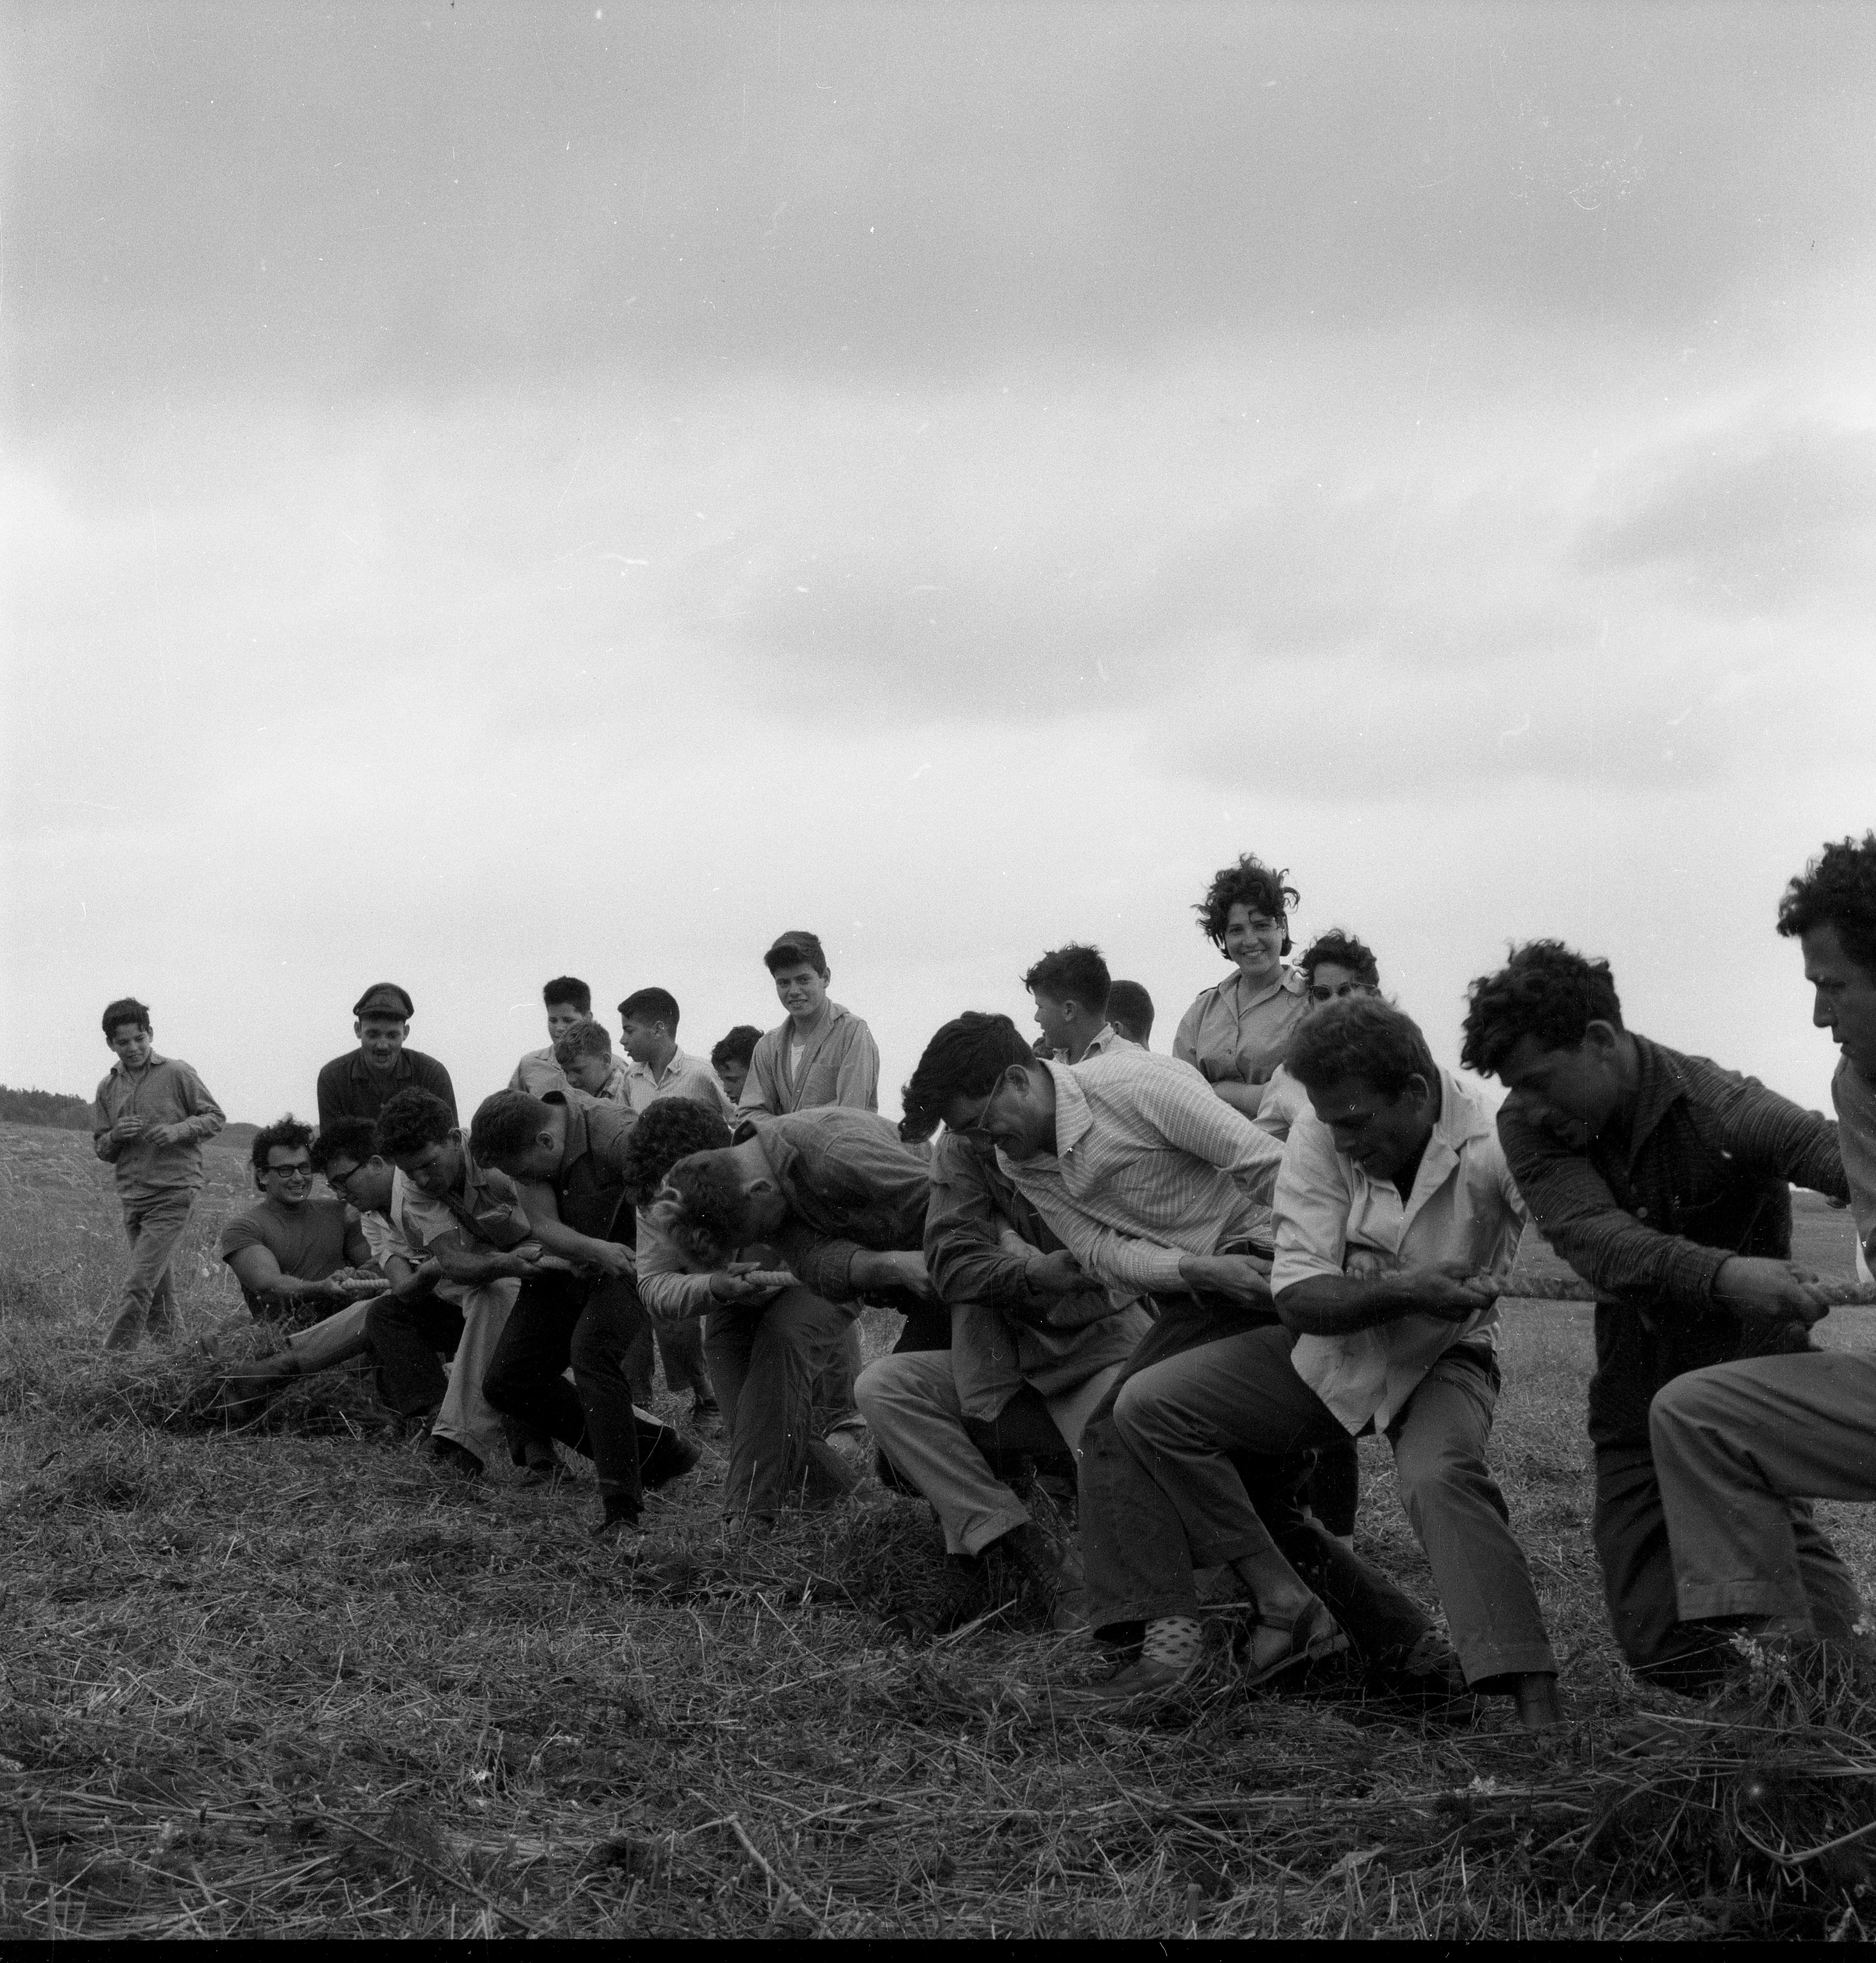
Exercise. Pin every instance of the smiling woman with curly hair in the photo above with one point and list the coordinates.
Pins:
(1235, 1033)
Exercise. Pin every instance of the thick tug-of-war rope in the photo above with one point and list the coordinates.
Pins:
(1573, 1288)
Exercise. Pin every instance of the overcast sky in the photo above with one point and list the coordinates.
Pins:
(494, 490)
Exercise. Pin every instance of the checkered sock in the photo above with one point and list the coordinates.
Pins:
(1173, 1641)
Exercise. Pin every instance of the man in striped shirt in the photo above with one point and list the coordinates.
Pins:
(1155, 1185)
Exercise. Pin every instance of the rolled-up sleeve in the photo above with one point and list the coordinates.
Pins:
(666, 1287)
(1311, 1208)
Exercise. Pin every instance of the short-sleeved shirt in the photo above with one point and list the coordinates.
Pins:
(1333, 1219)
(308, 1241)
(348, 1088)
(590, 1187)
(1285, 1100)
(1235, 1033)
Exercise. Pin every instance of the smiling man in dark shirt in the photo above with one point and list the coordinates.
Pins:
(360, 1083)
(1664, 1180)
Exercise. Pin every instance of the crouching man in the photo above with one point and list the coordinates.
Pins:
(1394, 1199)
(1036, 1344)
(567, 1162)
(1741, 1449)
(831, 1197)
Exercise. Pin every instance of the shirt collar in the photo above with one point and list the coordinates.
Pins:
(149, 1063)
(1074, 1113)
(1289, 981)
(1659, 1085)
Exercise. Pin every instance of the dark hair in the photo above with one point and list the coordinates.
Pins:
(650, 1005)
(1547, 991)
(287, 1133)
(1837, 889)
(504, 1125)
(739, 1046)
(1249, 883)
(569, 991)
(1072, 974)
(964, 1059)
(670, 1128)
(126, 1009)
(410, 1120)
(344, 1138)
(1129, 1002)
(793, 948)
(1341, 950)
(586, 1038)
(704, 1207)
(1360, 1036)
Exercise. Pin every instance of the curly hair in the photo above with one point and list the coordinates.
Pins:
(410, 1120)
(1341, 950)
(964, 1059)
(344, 1138)
(701, 1207)
(739, 1046)
(1249, 883)
(504, 1125)
(1072, 973)
(126, 1009)
(288, 1133)
(1547, 991)
(669, 1129)
(1361, 1035)
(1837, 889)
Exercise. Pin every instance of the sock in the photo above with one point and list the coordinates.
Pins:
(1173, 1641)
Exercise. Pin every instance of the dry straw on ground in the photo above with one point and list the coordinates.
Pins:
(292, 1681)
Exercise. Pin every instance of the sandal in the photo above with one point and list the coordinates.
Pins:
(1313, 1634)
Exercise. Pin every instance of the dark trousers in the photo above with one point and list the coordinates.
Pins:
(558, 1320)
(767, 1360)
(1334, 1488)
(681, 1347)
(406, 1338)
(1022, 1430)
(1129, 1532)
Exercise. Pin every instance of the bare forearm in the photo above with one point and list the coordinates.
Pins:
(1334, 1306)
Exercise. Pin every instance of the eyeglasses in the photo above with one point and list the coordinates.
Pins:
(1318, 992)
(293, 1174)
(339, 1181)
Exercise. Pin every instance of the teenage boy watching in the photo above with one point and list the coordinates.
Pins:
(823, 1054)
(149, 1120)
(360, 1083)
(1130, 1013)
(1664, 1181)
(648, 1027)
(567, 1000)
(731, 1058)
(1070, 986)
(583, 1056)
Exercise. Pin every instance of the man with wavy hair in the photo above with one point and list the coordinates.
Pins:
(1665, 1181)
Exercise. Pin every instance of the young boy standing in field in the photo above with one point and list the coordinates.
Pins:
(149, 1120)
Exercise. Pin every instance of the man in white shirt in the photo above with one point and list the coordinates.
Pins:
(647, 1028)
(567, 1000)
(1396, 1218)
(1070, 986)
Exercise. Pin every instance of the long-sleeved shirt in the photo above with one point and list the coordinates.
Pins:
(1333, 1219)
(1649, 1211)
(1000, 1338)
(839, 1065)
(165, 1091)
(852, 1186)
(1150, 1165)
(349, 1088)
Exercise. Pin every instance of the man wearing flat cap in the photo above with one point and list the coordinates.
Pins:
(359, 1084)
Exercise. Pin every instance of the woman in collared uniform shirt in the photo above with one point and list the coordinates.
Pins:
(1235, 1033)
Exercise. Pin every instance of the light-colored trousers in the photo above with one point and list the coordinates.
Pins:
(910, 1404)
(1179, 1419)
(1740, 1450)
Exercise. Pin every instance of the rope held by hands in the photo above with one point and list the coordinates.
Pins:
(1573, 1288)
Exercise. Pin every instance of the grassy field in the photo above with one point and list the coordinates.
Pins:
(291, 1681)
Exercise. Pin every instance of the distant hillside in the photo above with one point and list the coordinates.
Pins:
(74, 1114)
(46, 1107)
